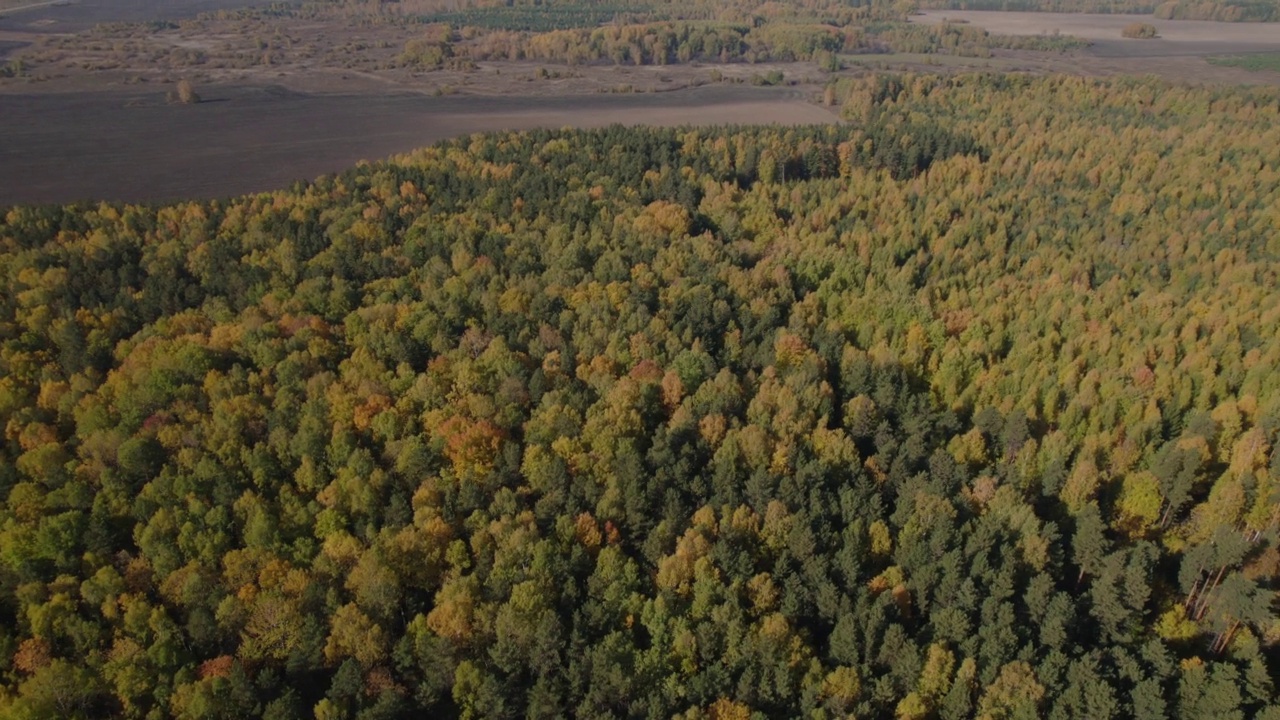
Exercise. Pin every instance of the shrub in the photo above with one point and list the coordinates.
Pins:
(185, 93)
(1140, 30)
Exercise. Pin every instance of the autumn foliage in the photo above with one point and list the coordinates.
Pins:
(964, 408)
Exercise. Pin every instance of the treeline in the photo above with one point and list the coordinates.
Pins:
(544, 15)
(645, 44)
(959, 39)
(681, 42)
(1221, 10)
(666, 43)
(966, 408)
(1106, 7)
(539, 18)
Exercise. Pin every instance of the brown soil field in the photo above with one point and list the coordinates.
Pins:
(8, 46)
(77, 15)
(1178, 54)
(68, 147)
(1177, 37)
(1192, 69)
(327, 53)
(88, 118)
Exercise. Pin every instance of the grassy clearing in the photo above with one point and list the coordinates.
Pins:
(1261, 61)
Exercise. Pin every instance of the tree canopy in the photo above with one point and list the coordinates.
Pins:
(965, 407)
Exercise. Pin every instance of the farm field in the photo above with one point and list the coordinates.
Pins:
(1176, 37)
(1199, 69)
(291, 98)
(138, 148)
(76, 15)
(1182, 51)
(8, 46)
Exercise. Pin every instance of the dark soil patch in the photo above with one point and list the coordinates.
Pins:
(1163, 48)
(61, 148)
(83, 14)
(8, 46)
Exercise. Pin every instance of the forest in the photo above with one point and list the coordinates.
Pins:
(964, 408)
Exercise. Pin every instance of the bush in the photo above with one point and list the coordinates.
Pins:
(11, 69)
(1140, 30)
(775, 77)
(184, 93)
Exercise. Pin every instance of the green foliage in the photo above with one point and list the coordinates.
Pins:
(965, 407)
(1220, 10)
(1262, 61)
(541, 18)
(1058, 6)
(12, 69)
(961, 40)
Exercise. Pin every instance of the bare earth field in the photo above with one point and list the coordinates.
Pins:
(1177, 37)
(286, 101)
(8, 46)
(1179, 54)
(65, 147)
(1192, 69)
(63, 16)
